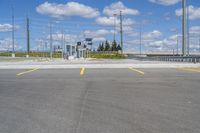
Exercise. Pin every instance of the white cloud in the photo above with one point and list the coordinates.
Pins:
(151, 40)
(195, 30)
(165, 44)
(194, 12)
(110, 21)
(99, 39)
(6, 44)
(128, 30)
(69, 38)
(97, 33)
(7, 27)
(66, 10)
(152, 35)
(106, 20)
(165, 2)
(156, 44)
(115, 8)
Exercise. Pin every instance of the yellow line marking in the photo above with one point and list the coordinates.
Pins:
(82, 71)
(90, 59)
(190, 69)
(141, 72)
(27, 71)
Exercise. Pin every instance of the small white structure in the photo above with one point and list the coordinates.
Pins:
(74, 51)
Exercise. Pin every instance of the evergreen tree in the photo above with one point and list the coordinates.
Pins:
(119, 47)
(107, 46)
(102, 46)
(99, 47)
(114, 46)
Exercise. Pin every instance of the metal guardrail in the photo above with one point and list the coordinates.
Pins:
(192, 59)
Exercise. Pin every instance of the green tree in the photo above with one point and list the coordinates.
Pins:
(107, 46)
(102, 47)
(99, 47)
(114, 46)
(119, 47)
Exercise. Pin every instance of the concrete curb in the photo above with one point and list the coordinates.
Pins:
(69, 66)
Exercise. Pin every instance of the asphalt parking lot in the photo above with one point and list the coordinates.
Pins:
(100, 101)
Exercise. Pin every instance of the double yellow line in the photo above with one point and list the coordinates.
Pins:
(19, 74)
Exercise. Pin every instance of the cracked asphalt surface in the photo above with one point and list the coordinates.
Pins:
(100, 101)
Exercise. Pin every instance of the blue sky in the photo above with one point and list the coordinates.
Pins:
(159, 20)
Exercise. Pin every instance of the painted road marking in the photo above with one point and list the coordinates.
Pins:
(190, 69)
(27, 71)
(82, 71)
(141, 72)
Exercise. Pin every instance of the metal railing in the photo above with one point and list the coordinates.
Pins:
(192, 59)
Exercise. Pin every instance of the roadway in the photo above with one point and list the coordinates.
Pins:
(100, 101)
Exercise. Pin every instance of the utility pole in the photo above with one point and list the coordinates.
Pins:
(28, 36)
(114, 37)
(199, 44)
(62, 43)
(13, 34)
(121, 30)
(188, 30)
(46, 52)
(184, 28)
(51, 54)
(140, 38)
(177, 43)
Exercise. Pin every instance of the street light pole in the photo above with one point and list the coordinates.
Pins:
(114, 37)
(121, 31)
(184, 28)
(199, 44)
(51, 54)
(188, 31)
(177, 43)
(62, 44)
(13, 34)
(140, 38)
(28, 36)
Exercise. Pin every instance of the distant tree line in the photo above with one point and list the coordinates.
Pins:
(106, 46)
